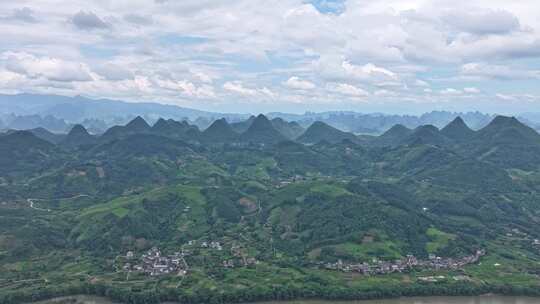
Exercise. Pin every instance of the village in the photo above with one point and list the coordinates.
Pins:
(405, 264)
(155, 263)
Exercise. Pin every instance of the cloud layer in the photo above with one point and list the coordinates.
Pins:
(293, 55)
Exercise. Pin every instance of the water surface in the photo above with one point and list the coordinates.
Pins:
(430, 300)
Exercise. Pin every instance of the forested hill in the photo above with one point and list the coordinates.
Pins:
(267, 209)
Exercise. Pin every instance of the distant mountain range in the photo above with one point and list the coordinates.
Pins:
(261, 130)
(58, 114)
(79, 108)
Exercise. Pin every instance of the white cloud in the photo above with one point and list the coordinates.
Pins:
(88, 21)
(505, 97)
(111, 71)
(421, 83)
(267, 92)
(239, 88)
(206, 78)
(337, 68)
(53, 69)
(460, 92)
(191, 89)
(471, 90)
(347, 90)
(482, 21)
(492, 71)
(451, 91)
(11, 82)
(296, 83)
(24, 14)
(518, 97)
(404, 49)
(368, 71)
(138, 19)
(385, 93)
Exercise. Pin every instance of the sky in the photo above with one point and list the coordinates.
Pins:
(406, 56)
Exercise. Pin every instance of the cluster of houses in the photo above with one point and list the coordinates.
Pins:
(212, 245)
(291, 180)
(240, 262)
(516, 233)
(240, 259)
(154, 263)
(405, 264)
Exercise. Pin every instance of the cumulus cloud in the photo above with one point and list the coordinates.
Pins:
(385, 93)
(515, 46)
(451, 91)
(238, 87)
(204, 77)
(368, 71)
(482, 21)
(111, 71)
(421, 83)
(24, 14)
(296, 83)
(186, 88)
(332, 67)
(191, 89)
(10, 81)
(493, 71)
(347, 90)
(203, 91)
(53, 69)
(88, 21)
(468, 91)
(505, 97)
(471, 90)
(296, 50)
(138, 19)
(518, 97)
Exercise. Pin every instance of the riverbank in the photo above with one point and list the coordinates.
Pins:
(279, 294)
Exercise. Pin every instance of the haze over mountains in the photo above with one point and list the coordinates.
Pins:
(59, 113)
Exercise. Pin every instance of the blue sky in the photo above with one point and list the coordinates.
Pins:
(407, 56)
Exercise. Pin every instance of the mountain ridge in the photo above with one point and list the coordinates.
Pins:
(261, 130)
(320, 131)
(111, 112)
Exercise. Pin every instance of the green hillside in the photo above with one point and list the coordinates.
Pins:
(259, 216)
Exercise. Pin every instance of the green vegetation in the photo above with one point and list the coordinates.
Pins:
(439, 240)
(278, 210)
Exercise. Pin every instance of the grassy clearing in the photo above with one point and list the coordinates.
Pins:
(386, 250)
(120, 206)
(201, 169)
(330, 189)
(439, 239)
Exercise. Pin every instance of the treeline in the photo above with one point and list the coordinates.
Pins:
(262, 293)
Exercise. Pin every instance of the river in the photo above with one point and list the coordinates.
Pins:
(420, 300)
